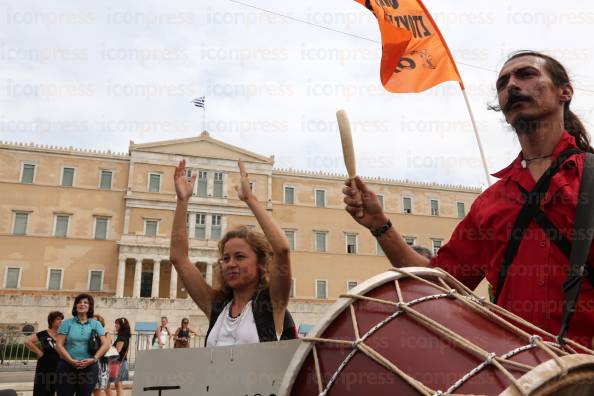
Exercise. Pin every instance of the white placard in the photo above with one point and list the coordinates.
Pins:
(244, 370)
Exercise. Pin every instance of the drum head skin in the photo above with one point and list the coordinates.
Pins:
(372, 347)
(545, 380)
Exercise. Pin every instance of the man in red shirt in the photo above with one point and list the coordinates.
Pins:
(534, 93)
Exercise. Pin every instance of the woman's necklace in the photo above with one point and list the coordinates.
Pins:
(234, 322)
(238, 319)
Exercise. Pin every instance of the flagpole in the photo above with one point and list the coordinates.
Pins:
(204, 117)
(476, 135)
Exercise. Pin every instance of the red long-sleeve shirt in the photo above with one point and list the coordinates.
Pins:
(534, 284)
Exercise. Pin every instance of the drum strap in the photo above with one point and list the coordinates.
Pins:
(583, 228)
(531, 211)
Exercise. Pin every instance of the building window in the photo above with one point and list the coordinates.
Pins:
(20, 223)
(202, 186)
(252, 186)
(189, 174)
(96, 280)
(378, 249)
(146, 284)
(436, 245)
(320, 198)
(410, 241)
(321, 289)
(434, 207)
(154, 182)
(321, 241)
(217, 186)
(101, 228)
(407, 205)
(54, 281)
(61, 226)
(200, 228)
(380, 198)
(289, 195)
(151, 227)
(13, 278)
(216, 227)
(351, 284)
(292, 292)
(290, 234)
(461, 210)
(351, 243)
(28, 173)
(106, 180)
(67, 177)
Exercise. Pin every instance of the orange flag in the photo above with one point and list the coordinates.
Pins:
(415, 57)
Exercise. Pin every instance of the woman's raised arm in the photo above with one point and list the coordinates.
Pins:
(194, 282)
(280, 268)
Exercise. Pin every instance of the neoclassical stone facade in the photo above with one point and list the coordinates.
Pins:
(74, 220)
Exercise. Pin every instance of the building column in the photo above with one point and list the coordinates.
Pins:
(173, 283)
(137, 276)
(121, 279)
(209, 273)
(269, 193)
(191, 225)
(193, 261)
(156, 278)
(207, 225)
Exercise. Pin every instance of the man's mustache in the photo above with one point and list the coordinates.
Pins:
(515, 98)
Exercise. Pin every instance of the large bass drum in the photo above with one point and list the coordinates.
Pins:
(418, 331)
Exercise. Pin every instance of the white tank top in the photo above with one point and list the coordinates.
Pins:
(234, 331)
(164, 337)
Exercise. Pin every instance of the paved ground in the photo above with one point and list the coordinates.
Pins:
(25, 376)
(22, 381)
(16, 376)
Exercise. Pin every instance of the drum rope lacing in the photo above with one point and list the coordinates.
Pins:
(471, 300)
(484, 364)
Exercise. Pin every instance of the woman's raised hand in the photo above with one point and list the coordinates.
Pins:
(183, 187)
(243, 190)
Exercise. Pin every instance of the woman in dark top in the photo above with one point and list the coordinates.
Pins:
(47, 357)
(121, 344)
(183, 334)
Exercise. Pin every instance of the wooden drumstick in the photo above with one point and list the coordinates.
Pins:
(348, 153)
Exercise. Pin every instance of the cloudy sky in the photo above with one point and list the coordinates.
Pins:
(99, 75)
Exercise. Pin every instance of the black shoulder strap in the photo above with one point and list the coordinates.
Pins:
(262, 309)
(527, 213)
(583, 228)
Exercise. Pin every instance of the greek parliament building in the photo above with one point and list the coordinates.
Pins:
(74, 220)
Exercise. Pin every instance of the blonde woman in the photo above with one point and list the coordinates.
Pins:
(251, 305)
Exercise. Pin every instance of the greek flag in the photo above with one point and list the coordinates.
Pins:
(199, 102)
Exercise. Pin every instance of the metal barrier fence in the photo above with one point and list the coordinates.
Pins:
(15, 355)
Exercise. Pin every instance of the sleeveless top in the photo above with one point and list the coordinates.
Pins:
(164, 335)
(261, 315)
(238, 330)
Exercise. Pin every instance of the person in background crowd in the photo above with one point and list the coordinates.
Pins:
(183, 334)
(77, 369)
(103, 378)
(121, 344)
(47, 357)
(162, 335)
(423, 251)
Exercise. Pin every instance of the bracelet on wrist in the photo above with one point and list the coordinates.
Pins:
(381, 230)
